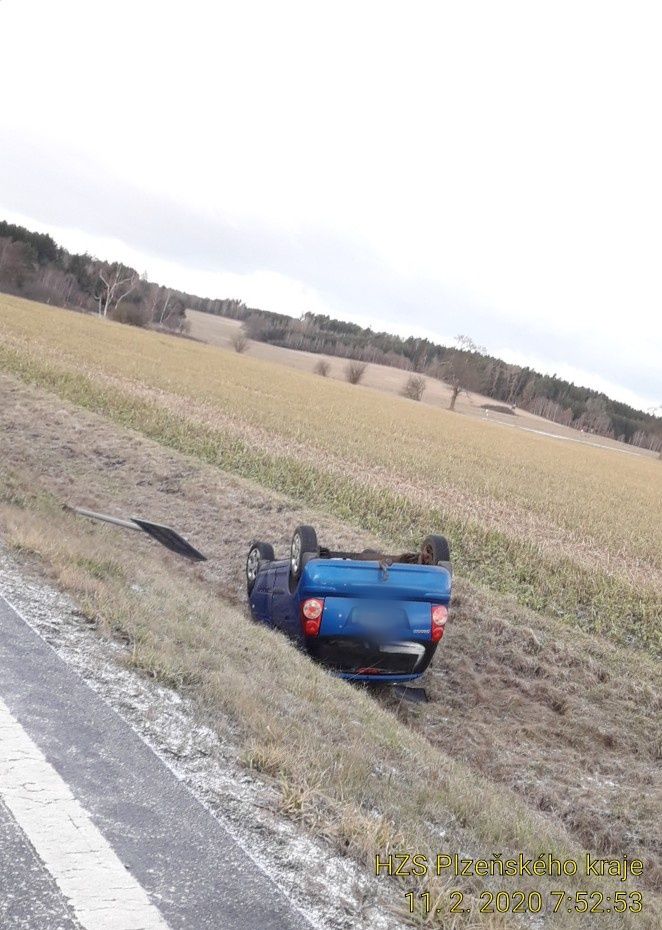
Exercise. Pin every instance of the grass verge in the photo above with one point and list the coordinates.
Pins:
(346, 768)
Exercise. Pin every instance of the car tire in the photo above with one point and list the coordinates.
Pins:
(435, 551)
(259, 552)
(304, 548)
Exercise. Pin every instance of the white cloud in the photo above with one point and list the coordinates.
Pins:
(505, 154)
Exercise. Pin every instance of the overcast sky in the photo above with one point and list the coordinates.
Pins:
(488, 168)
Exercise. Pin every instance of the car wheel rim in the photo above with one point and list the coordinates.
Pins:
(252, 564)
(296, 554)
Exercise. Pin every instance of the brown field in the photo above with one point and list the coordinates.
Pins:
(543, 726)
(565, 527)
(218, 331)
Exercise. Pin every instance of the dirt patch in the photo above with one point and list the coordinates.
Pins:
(554, 714)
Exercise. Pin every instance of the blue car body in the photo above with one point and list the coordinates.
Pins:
(376, 619)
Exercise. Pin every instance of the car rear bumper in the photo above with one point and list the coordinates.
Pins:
(394, 679)
(359, 660)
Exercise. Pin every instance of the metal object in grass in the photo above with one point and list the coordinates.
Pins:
(162, 534)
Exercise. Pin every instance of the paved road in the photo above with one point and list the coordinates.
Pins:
(95, 831)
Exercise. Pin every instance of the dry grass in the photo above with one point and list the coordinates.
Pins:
(526, 701)
(219, 331)
(569, 529)
(381, 787)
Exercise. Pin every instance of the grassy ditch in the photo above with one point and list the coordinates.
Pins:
(346, 768)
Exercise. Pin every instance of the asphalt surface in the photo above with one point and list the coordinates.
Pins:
(189, 867)
(29, 897)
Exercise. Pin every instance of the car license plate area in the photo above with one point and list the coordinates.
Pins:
(376, 622)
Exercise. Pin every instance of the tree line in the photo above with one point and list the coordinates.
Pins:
(32, 265)
(466, 367)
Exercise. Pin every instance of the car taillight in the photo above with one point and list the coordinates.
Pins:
(311, 615)
(439, 616)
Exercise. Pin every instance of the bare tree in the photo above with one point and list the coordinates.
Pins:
(115, 283)
(164, 309)
(322, 367)
(159, 302)
(457, 371)
(595, 418)
(240, 341)
(354, 371)
(15, 263)
(551, 410)
(413, 387)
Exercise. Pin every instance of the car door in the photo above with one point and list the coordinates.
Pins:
(284, 604)
(260, 597)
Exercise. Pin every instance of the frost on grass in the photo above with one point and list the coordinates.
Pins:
(334, 892)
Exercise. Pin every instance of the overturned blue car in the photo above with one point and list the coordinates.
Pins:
(365, 615)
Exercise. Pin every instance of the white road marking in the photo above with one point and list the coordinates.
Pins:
(102, 893)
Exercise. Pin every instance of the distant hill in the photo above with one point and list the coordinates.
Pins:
(466, 366)
(33, 265)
